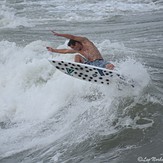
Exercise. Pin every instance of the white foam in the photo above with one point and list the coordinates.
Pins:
(37, 100)
(28, 76)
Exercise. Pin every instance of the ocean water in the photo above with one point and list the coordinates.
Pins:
(48, 117)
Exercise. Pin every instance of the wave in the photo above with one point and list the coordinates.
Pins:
(9, 18)
(32, 13)
(38, 100)
(26, 72)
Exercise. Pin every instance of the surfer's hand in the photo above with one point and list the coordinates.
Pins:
(50, 49)
(110, 66)
(55, 33)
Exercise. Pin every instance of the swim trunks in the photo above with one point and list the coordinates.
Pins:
(98, 63)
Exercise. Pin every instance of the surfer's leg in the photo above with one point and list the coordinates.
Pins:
(79, 59)
(102, 63)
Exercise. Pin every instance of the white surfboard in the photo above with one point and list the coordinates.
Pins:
(88, 73)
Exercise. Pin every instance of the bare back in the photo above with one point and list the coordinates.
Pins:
(89, 50)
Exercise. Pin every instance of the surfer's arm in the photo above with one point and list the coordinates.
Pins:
(63, 51)
(69, 36)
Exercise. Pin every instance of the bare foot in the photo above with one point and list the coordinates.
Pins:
(110, 66)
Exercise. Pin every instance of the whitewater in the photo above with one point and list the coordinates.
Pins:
(47, 116)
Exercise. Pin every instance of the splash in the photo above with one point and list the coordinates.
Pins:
(37, 100)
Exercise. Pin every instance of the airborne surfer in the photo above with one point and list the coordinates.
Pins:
(88, 52)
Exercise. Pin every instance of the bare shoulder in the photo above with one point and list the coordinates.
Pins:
(88, 43)
(86, 40)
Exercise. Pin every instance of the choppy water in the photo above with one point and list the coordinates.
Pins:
(46, 116)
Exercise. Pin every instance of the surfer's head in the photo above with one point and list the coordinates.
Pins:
(76, 45)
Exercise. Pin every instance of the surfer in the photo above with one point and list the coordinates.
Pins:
(88, 52)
